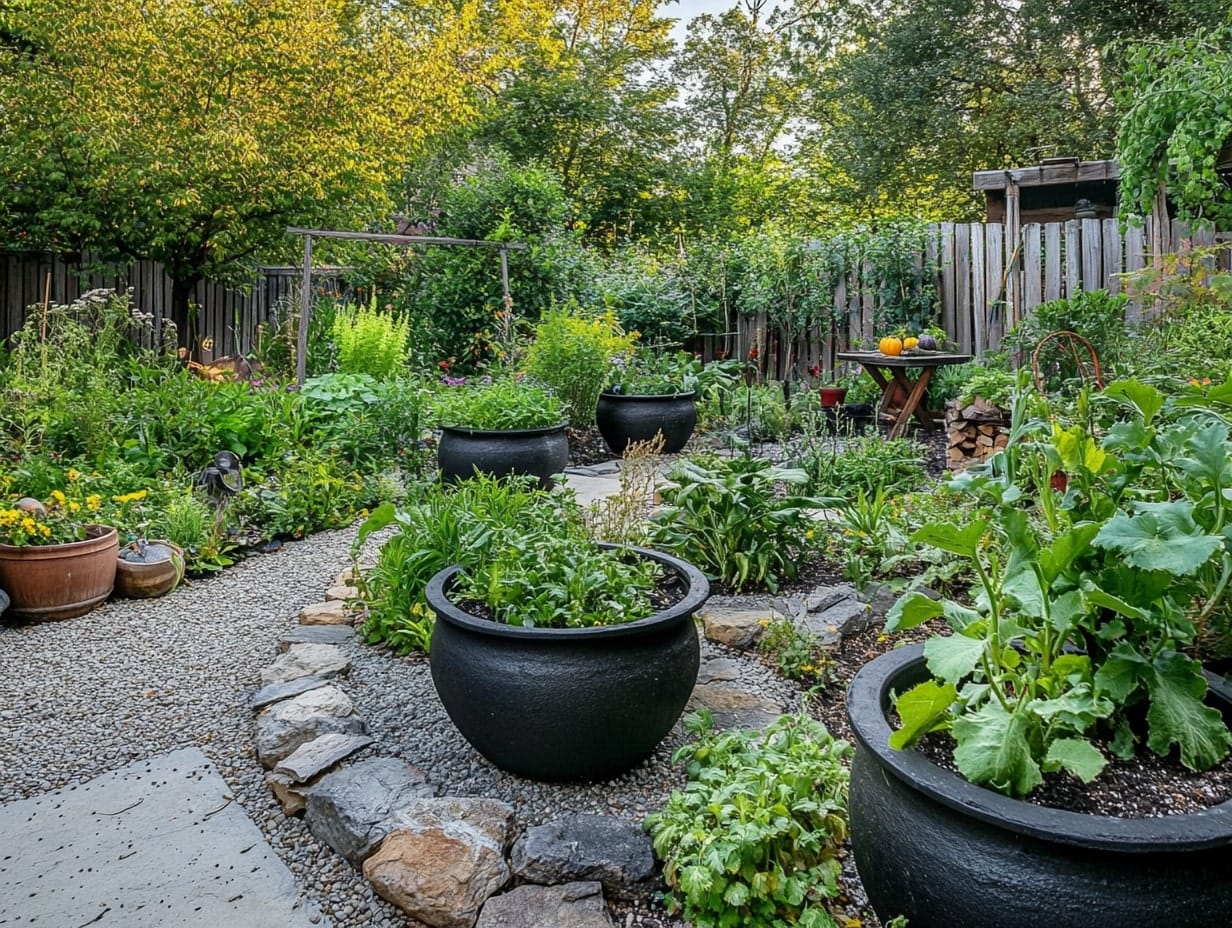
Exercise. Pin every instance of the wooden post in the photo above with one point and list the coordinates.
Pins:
(305, 314)
(1013, 231)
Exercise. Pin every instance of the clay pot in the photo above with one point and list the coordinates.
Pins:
(157, 574)
(51, 582)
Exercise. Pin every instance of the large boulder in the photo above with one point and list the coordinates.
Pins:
(443, 859)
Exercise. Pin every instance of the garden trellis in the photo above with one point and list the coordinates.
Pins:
(301, 354)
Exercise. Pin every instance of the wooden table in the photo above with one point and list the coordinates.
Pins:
(891, 370)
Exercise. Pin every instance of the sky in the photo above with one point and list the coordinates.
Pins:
(684, 10)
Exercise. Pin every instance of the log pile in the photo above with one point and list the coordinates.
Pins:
(976, 431)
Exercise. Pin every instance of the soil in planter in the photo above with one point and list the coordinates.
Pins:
(1146, 786)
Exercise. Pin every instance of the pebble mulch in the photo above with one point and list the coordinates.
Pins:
(143, 677)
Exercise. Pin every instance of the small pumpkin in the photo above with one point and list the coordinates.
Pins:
(910, 342)
(927, 342)
(891, 345)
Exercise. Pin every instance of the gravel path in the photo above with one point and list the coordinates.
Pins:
(140, 678)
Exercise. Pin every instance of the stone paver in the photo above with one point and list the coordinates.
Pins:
(157, 844)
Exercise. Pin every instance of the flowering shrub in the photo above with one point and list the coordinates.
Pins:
(57, 521)
(64, 515)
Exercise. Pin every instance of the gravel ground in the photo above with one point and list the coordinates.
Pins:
(139, 678)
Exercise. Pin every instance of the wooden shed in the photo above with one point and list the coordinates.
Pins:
(1056, 190)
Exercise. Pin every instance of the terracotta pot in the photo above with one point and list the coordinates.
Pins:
(147, 579)
(49, 582)
(566, 703)
(832, 396)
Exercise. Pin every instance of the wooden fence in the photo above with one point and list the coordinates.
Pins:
(225, 320)
(983, 285)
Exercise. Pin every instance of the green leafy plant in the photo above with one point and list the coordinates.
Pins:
(1192, 336)
(996, 385)
(439, 527)
(1177, 124)
(61, 520)
(753, 839)
(728, 518)
(649, 374)
(560, 581)
(870, 464)
(796, 654)
(573, 352)
(1102, 557)
(370, 341)
(500, 403)
(1096, 315)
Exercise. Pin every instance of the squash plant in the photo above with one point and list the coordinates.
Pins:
(1103, 559)
(1178, 117)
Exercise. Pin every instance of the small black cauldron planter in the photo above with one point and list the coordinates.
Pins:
(540, 453)
(948, 854)
(566, 703)
(623, 419)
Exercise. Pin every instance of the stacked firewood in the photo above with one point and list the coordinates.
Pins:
(976, 431)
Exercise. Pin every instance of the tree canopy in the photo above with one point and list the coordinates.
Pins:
(194, 132)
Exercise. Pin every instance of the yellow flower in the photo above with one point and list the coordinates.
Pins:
(93, 502)
(28, 525)
(45, 530)
(73, 475)
(809, 534)
(74, 506)
(59, 497)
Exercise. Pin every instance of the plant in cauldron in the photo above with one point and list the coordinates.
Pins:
(501, 426)
(1092, 595)
(651, 395)
(559, 658)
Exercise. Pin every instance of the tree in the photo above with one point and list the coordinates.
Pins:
(194, 132)
(592, 105)
(917, 95)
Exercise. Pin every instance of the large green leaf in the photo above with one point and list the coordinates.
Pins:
(993, 750)
(1178, 715)
(923, 708)
(1057, 557)
(1077, 756)
(1159, 536)
(911, 610)
(1207, 456)
(949, 537)
(1121, 673)
(953, 657)
(1077, 710)
(1145, 398)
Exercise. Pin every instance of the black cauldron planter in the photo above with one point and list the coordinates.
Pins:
(948, 854)
(566, 703)
(541, 453)
(626, 418)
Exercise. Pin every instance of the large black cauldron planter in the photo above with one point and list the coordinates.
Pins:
(538, 453)
(949, 854)
(566, 703)
(623, 419)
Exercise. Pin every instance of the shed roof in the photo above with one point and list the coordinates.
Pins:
(1049, 171)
